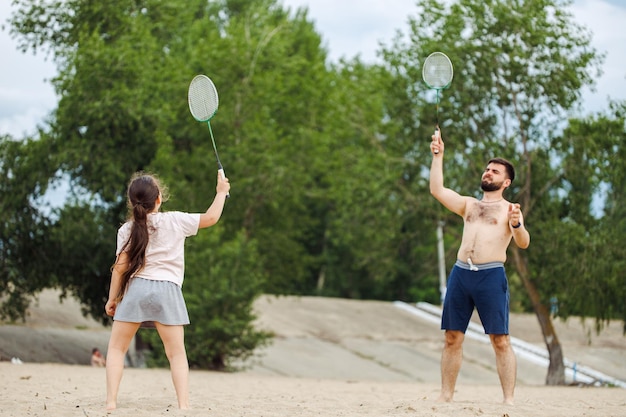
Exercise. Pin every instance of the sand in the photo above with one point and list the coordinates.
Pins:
(330, 357)
(78, 390)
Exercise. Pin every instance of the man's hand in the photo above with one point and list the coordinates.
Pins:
(516, 224)
(436, 145)
(514, 215)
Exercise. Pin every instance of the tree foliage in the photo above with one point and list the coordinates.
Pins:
(23, 224)
(328, 161)
(592, 214)
(519, 66)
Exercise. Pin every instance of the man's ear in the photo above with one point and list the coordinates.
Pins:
(507, 183)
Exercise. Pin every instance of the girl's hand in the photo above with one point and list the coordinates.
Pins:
(110, 307)
(223, 185)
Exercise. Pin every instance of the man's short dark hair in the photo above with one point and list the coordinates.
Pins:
(510, 171)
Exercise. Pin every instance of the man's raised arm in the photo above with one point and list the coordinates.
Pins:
(449, 198)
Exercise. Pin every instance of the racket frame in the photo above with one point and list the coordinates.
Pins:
(192, 93)
(439, 88)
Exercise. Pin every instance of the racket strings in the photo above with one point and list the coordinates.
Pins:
(203, 99)
(437, 71)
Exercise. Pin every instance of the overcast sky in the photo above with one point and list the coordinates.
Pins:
(348, 27)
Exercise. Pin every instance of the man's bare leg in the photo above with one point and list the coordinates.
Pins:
(451, 359)
(506, 363)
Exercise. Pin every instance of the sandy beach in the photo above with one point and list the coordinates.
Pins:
(330, 357)
(77, 390)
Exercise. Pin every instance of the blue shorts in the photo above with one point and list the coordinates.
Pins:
(483, 286)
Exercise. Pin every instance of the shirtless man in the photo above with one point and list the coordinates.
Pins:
(478, 278)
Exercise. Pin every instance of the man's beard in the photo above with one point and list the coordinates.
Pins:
(490, 186)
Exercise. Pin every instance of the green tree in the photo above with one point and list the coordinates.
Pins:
(330, 188)
(300, 149)
(24, 224)
(124, 70)
(374, 242)
(593, 185)
(519, 65)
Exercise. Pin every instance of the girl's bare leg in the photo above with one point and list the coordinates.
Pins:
(173, 338)
(121, 335)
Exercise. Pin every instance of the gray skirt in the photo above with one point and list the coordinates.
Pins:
(148, 300)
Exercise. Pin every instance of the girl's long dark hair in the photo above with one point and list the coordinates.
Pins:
(143, 191)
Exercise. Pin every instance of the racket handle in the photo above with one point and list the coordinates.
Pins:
(223, 175)
(437, 133)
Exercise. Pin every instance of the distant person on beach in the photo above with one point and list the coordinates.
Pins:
(478, 278)
(148, 275)
(97, 359)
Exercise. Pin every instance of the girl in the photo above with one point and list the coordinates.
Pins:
(147, 278)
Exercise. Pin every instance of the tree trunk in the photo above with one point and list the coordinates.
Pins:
(556, 368)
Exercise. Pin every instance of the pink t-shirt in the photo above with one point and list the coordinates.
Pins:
(165, 254)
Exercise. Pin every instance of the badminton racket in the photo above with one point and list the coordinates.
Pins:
(437, 73)
(203, 104)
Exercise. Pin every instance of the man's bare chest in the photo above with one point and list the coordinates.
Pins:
(485, 213)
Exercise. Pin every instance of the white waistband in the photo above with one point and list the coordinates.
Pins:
(478, 267)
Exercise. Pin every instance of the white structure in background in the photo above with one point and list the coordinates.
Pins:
(532, 353)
